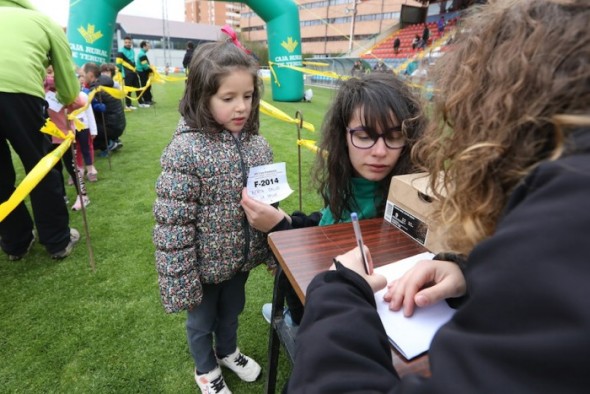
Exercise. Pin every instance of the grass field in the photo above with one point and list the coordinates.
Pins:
(66, 329)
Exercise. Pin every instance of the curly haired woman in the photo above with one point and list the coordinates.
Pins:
(511, 138)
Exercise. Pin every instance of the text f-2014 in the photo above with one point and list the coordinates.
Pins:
(266, 182)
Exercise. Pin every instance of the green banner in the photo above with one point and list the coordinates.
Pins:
(284, 45)
(92, 22)
(90, 29)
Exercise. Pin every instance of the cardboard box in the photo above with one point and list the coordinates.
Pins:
(410, 204)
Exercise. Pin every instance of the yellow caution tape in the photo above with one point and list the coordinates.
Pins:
(311, 145)
(50, 128)
(317, 64)
(125, 64)
(34, 177)
(269, 110)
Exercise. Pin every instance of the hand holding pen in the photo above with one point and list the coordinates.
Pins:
(359, 241)
(353, 260)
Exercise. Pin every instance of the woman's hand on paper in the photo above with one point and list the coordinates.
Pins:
(354, 260)
(261, 216)
(427, 283)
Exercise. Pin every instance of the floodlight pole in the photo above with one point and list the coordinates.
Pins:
(352, 23)
(165, 33)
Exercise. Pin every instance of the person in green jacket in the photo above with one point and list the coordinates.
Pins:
(126, 65)
(144, 70)
(30, 42)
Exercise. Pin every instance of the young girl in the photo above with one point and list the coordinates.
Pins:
(58, 115)
(368, 133)
(205, 246)
(85, 159)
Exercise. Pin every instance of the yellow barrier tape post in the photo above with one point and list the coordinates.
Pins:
(106, 141)
(81, 192)
(299, 117)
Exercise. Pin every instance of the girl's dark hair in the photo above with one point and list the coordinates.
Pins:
(381, 98)
(209, 65)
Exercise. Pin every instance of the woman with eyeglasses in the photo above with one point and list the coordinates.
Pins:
(367, 135)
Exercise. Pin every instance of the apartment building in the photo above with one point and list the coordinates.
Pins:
(213, 13)
(328, 25)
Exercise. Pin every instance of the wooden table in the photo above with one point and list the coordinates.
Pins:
(303, 253)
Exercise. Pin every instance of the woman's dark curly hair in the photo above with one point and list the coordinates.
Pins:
(383, 99)
(210, 63)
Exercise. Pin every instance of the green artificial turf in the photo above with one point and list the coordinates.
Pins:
(67, 329)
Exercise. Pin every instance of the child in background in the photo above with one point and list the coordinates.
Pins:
(108, 111)
(110, 70)
(58, 115)
(368, 134)
(85, 157)
(205, 247)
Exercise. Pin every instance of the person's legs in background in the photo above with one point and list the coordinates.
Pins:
(84, 155)
(131, 81)
(146, 98)
(16, 230)
(22, 118)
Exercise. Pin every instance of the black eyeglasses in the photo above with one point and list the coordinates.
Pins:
(393, 138)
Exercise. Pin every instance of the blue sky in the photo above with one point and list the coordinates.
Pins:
(59, 9)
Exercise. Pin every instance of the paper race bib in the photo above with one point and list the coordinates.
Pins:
(268, 183)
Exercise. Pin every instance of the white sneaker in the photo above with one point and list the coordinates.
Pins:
(144, 105)
(212, 382)
(243, 366)
(267, 314)
(131, 107)
(78, 204)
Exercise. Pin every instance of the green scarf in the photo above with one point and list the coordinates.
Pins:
(366, 201)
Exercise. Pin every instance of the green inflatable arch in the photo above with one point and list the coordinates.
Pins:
(92, 22)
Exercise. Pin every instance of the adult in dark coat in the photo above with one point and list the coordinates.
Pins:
(114, 115)
(425, 35)
(396, 44)
(105, 106)
(516, 172)
(190, 49)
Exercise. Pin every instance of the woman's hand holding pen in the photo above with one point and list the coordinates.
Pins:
(261, 216)
(353, 260)
(427, 283)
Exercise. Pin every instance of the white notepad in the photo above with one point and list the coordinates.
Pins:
(411, 336)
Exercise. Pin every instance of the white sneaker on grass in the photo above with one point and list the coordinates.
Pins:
(267, 314)
(243, 366)
(78, 204)
(212, 382)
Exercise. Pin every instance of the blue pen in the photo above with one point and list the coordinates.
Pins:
(359, 240)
